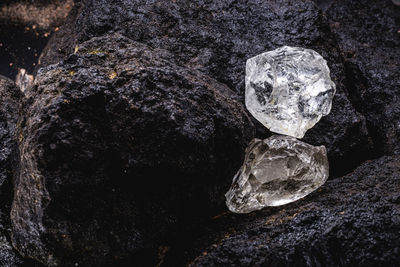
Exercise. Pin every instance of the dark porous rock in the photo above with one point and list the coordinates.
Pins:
(9, 102)
(135, 126)
(216, 38)
(351, 221)
(10, 98)
(368, 35)
(120, 148)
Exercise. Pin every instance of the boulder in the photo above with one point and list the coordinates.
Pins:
(135, 126)
(120, 146)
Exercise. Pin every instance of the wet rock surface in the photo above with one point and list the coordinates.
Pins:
(351, 221)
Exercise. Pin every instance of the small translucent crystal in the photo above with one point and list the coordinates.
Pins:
(277, 171)
(288, 89)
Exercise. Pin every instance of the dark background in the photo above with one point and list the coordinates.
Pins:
(21, 41)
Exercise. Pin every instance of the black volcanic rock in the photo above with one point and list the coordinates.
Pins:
(351, 221)
(9, 101)
(119, 147)
(10, 98)
(368, 35)
(216, 38)
(130, 139)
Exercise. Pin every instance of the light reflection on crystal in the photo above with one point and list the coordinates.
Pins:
(277, 171)
(288, 89)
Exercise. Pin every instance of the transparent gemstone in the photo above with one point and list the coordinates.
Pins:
(277, 171)
(288, 89)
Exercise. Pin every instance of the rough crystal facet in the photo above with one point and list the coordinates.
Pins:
(289, 89)
(277, 171)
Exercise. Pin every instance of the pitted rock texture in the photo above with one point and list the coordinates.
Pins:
(350, 221)
(277, 171)
(217, 37)
(119, 145)
(288, 89)
(10, 98)
(87, 135)
(368, 35)
(9, 102)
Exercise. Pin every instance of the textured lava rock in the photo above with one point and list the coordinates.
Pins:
(120, 145)
(10, 98)
(350, 221)
(368, 36)
(137, 135)
(217, 37)
(214, 36)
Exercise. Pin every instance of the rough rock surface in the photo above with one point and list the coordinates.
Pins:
(117, 144)
(10, 98)
(130, 142)
(368, 35)
(351, 221)
(217, 37)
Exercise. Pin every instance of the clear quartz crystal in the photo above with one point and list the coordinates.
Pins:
(277, 171)
(288, 89)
